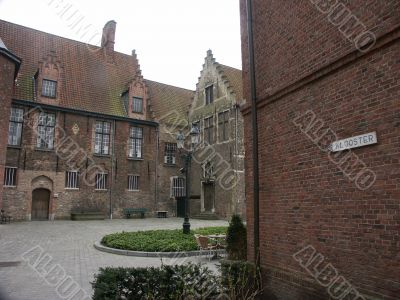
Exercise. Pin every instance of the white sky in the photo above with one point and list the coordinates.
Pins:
(171, 37)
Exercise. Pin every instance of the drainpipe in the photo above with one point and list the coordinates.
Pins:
(156, 168)
(112, 168)
(256, 194)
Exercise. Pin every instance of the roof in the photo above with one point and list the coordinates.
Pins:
(169, 104)
(88, 82)
(234, 77)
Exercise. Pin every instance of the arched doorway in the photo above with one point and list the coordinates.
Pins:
(40, 204)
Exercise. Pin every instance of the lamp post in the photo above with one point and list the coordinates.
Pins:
(194, 141)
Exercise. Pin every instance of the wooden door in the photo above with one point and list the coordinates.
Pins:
(208, 196)
(40, 204)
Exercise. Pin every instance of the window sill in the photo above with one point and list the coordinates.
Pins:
(71, 189)
(101, 155)
(169, 165)
(44, 150)
(135, 158)
(133, 191)
(14, 146)
(49, 97)
(10, 186)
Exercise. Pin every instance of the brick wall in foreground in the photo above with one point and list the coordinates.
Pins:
(309, 74)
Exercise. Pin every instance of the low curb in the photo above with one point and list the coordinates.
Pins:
(103, 248)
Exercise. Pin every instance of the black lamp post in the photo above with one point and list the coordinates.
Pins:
(194, 141)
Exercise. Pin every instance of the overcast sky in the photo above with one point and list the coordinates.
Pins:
(171, 37)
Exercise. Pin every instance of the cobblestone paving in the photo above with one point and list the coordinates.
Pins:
(70, 244)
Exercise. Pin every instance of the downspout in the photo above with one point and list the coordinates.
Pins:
(112, 168)
(256, 179)
(156, 167)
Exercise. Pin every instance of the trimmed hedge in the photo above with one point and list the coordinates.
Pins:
(158, 240)
(166, 283)
(239, 280)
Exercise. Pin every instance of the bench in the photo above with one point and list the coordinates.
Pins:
(130, 211)
(4, 219)
(162, 214)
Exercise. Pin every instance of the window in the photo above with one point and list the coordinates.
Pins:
(15, 126)
(72, 180)
(101, 181)
(137, 105)
(133, 182)
(10, 176)
(209, 94)
(178, 187)
(46, 123)
(208, 170)
(135, 142)
(223, 126)
(49, 88)
(209, 130)
(170, 153)
(102, 138)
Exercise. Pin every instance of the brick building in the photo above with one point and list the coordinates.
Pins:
(84, 128)
(328, 221)
(217, 175)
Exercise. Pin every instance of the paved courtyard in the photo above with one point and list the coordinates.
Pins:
(69, 244)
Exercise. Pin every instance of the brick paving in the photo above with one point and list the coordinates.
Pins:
(70, 244)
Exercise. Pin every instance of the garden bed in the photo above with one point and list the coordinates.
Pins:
(158, 240)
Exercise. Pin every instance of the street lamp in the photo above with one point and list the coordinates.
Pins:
(194, 141)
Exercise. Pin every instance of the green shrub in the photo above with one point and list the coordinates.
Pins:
(240, 279)
(158, 240)
(236, 239)
(176, 282)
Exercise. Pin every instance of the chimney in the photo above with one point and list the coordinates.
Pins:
(108, 38)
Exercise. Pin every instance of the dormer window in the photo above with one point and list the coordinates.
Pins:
(137, 105)
(49, 88)
(209, 94)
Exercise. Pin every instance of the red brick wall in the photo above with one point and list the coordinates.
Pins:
(6, 88)
(32, 163)
(304, 63)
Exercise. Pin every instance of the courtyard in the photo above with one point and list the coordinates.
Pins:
(69, 244)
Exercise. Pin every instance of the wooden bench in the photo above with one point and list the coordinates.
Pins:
(130, 211)
(4, 219)
(162, 214)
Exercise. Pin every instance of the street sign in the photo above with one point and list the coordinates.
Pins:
(354, 142)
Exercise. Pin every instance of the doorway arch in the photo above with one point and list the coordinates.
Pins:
(40, 204)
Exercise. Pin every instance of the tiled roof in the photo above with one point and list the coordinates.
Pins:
(234, 77)
(169, 104)
(88, 82)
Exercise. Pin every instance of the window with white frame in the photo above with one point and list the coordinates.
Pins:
(15, 126)
(135, 142)
(208, 170)
(209, 94)
(178, 188)
(102, 138)
(137, 105)
(133, 182)
(72, 180)
(45, 130)
(101, 181)
(170, 153)
(10, 176)
(49, 88)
